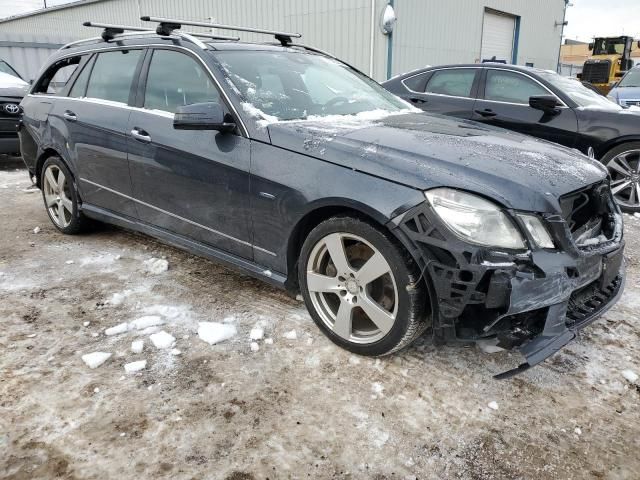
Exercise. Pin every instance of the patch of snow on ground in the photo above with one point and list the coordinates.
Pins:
(292, 335)
(255, 347)
(137, 346)
(120, 328)
(493, 405)
(214, 332)
(172, 313)
(145, 322)
(133, 367)
(256, 333)
(156, 266)
(95, 359)
(162, 339)
(630, 375)
(119, 297)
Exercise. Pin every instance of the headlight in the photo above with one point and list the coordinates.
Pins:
(537, 230)
(474, 219)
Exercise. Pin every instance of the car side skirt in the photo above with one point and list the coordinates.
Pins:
(196, 248)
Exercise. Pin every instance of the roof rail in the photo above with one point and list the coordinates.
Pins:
(170, 24)
(110, 31)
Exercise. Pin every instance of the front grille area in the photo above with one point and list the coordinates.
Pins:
(588, 214)
(8, 107)
(632, 103)
(596, 72)
(590, 300)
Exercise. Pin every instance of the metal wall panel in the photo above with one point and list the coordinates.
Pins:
(27, 52)
(431, 32)
(427, 31)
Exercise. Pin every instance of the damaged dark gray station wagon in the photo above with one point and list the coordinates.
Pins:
(294, 167)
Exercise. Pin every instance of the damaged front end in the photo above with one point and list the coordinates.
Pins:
(534, 300)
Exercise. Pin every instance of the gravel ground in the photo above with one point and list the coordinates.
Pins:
(294, 408)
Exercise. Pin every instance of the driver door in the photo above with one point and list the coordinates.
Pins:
(191, 182)
(503, 101)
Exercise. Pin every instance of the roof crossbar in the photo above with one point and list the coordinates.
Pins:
(110, 31)
(283, 37)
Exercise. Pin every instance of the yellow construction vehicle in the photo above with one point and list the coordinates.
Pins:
(610, 59)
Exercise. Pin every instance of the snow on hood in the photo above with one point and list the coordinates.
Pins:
(426, 151)
(11, 86)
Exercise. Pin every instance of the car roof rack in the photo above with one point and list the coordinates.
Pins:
(111, 31)
(170, 24)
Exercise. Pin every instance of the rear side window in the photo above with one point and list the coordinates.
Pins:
(55, 79)
(452, 82)
(176, 79)
(503, 86)
(80, 86)
(112, 75)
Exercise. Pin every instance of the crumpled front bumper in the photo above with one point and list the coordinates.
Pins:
(535, 302)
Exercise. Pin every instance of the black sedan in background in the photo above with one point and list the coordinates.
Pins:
(539, 103)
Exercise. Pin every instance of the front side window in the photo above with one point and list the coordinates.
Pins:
(112, 75)
(511, 87)
(290, 85)
(452, 82)
(176, 79)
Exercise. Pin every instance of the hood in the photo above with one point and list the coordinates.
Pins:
(424, 151)
(625, 93)
(11, 86)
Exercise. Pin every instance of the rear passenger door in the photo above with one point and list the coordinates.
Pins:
(96, 114)
(191, 182)
(503, 101)
(448, 91)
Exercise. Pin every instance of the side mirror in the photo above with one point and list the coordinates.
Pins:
(202, 116)
(546, 103)
(591, 45)
(638, 43)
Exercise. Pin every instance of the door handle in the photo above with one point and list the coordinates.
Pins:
(140, 135)
(487, 112)
(418, 100)
(69, 115)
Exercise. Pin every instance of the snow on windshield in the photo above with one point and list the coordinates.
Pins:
(580, 94)
(291, 86)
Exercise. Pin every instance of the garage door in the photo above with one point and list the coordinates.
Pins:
(497, 36)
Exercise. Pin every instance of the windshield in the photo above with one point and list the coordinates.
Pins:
(288, 85)
(580, 94)
(6, 68)
(631, 79)
(608, 46)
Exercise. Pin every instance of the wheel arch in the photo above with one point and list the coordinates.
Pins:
(616, 142)
(45, 154)
(322, 212)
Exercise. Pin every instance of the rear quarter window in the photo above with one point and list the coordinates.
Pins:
(56, 77)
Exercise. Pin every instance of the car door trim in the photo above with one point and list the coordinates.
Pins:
(191, 222)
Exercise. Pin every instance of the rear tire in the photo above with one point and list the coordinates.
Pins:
(623, 163)
(61, 199)
(360, 287)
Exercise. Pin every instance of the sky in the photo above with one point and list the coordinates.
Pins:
(587, 18)
(602, 18)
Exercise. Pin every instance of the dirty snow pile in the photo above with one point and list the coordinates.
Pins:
(162, 340)
(214, 332)
(156, 265)
(95, 359)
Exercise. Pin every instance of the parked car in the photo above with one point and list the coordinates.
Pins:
(539, 103)
(627, 92)
(293, 167)
(12, 89)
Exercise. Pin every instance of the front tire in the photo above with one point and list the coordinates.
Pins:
(623, 163)
(361, 287)
(61, 198)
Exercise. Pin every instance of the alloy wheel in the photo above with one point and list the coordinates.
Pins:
(352, 288)
(57, 196)
(625, 178)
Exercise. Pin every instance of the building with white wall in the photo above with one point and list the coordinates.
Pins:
(427, 32)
